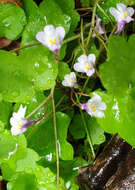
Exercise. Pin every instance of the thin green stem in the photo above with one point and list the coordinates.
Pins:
(71, 38)
(92, 22)
(100, 39)
(59, 102)
(102, 10)
(114, 28)
(85, 84)
(27, 46)
(56, 140)
(86, 129)
(83, 9)
(40, 105)
(82, 38)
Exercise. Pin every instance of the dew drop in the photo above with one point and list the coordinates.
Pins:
(36, 64)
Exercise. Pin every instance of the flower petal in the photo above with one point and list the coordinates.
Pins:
(13, 122)
(90, 72)
(79, 67)
(82, 59)
(120, 26)
(92, 58)
(98, 114)
(40, 37)
(115, 13)
(49, 29)
(70, 80)
(84, 106)
(21, 111)
(130, 11)
(65, 83)
(15, 131)
(60, 31)
(54, 47)
(96, 98)
(72, 75)
(121, 7)
(102, 106)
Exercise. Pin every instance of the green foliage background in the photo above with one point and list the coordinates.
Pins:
(29, 161)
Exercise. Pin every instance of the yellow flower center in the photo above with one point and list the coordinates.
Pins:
(53, 41)
(87, 67)
(19, 126)
(72, 81)
(125, 14)
(93, 108)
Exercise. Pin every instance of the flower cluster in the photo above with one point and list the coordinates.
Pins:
(18, 122)
(51, 37)
(122, 15)
(70, 80)
(94, 106)
(85, 65)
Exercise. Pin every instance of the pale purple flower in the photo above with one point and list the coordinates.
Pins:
(122, 15)
(70, 80)
(98, 27)
(94, 106)
(86, 64)
(51, 37)
(18, 122)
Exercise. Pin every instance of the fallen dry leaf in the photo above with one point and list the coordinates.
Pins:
(16, 2)
(4, 42)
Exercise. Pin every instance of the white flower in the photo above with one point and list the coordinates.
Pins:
(98, 27)
(18, 122)
(122, 15)
(70, 80)
(85, 64)
(95, 106)
(51, 37)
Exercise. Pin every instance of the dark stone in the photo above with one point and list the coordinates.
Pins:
(96, 176)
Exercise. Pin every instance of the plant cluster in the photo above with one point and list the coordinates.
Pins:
(71, 81)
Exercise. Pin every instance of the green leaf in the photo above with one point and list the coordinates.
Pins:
(68, 7)
(118, 77)
(117, 73)
(119, 116)
(34, 69)
(6, 112)
(12, 21)
(46, 179)
(54, 14)
(23, 160)
(40, 67)
(69, 170)
(91, 49)
(23, 181)
(78, 131)
(11, 76)
(35, 23)
(95, 131)
(63, 69)
(76, 128)
(39, 178)
(9, 144)
(43, 140)
(110, 122)
(106, 6)
(32, 104)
